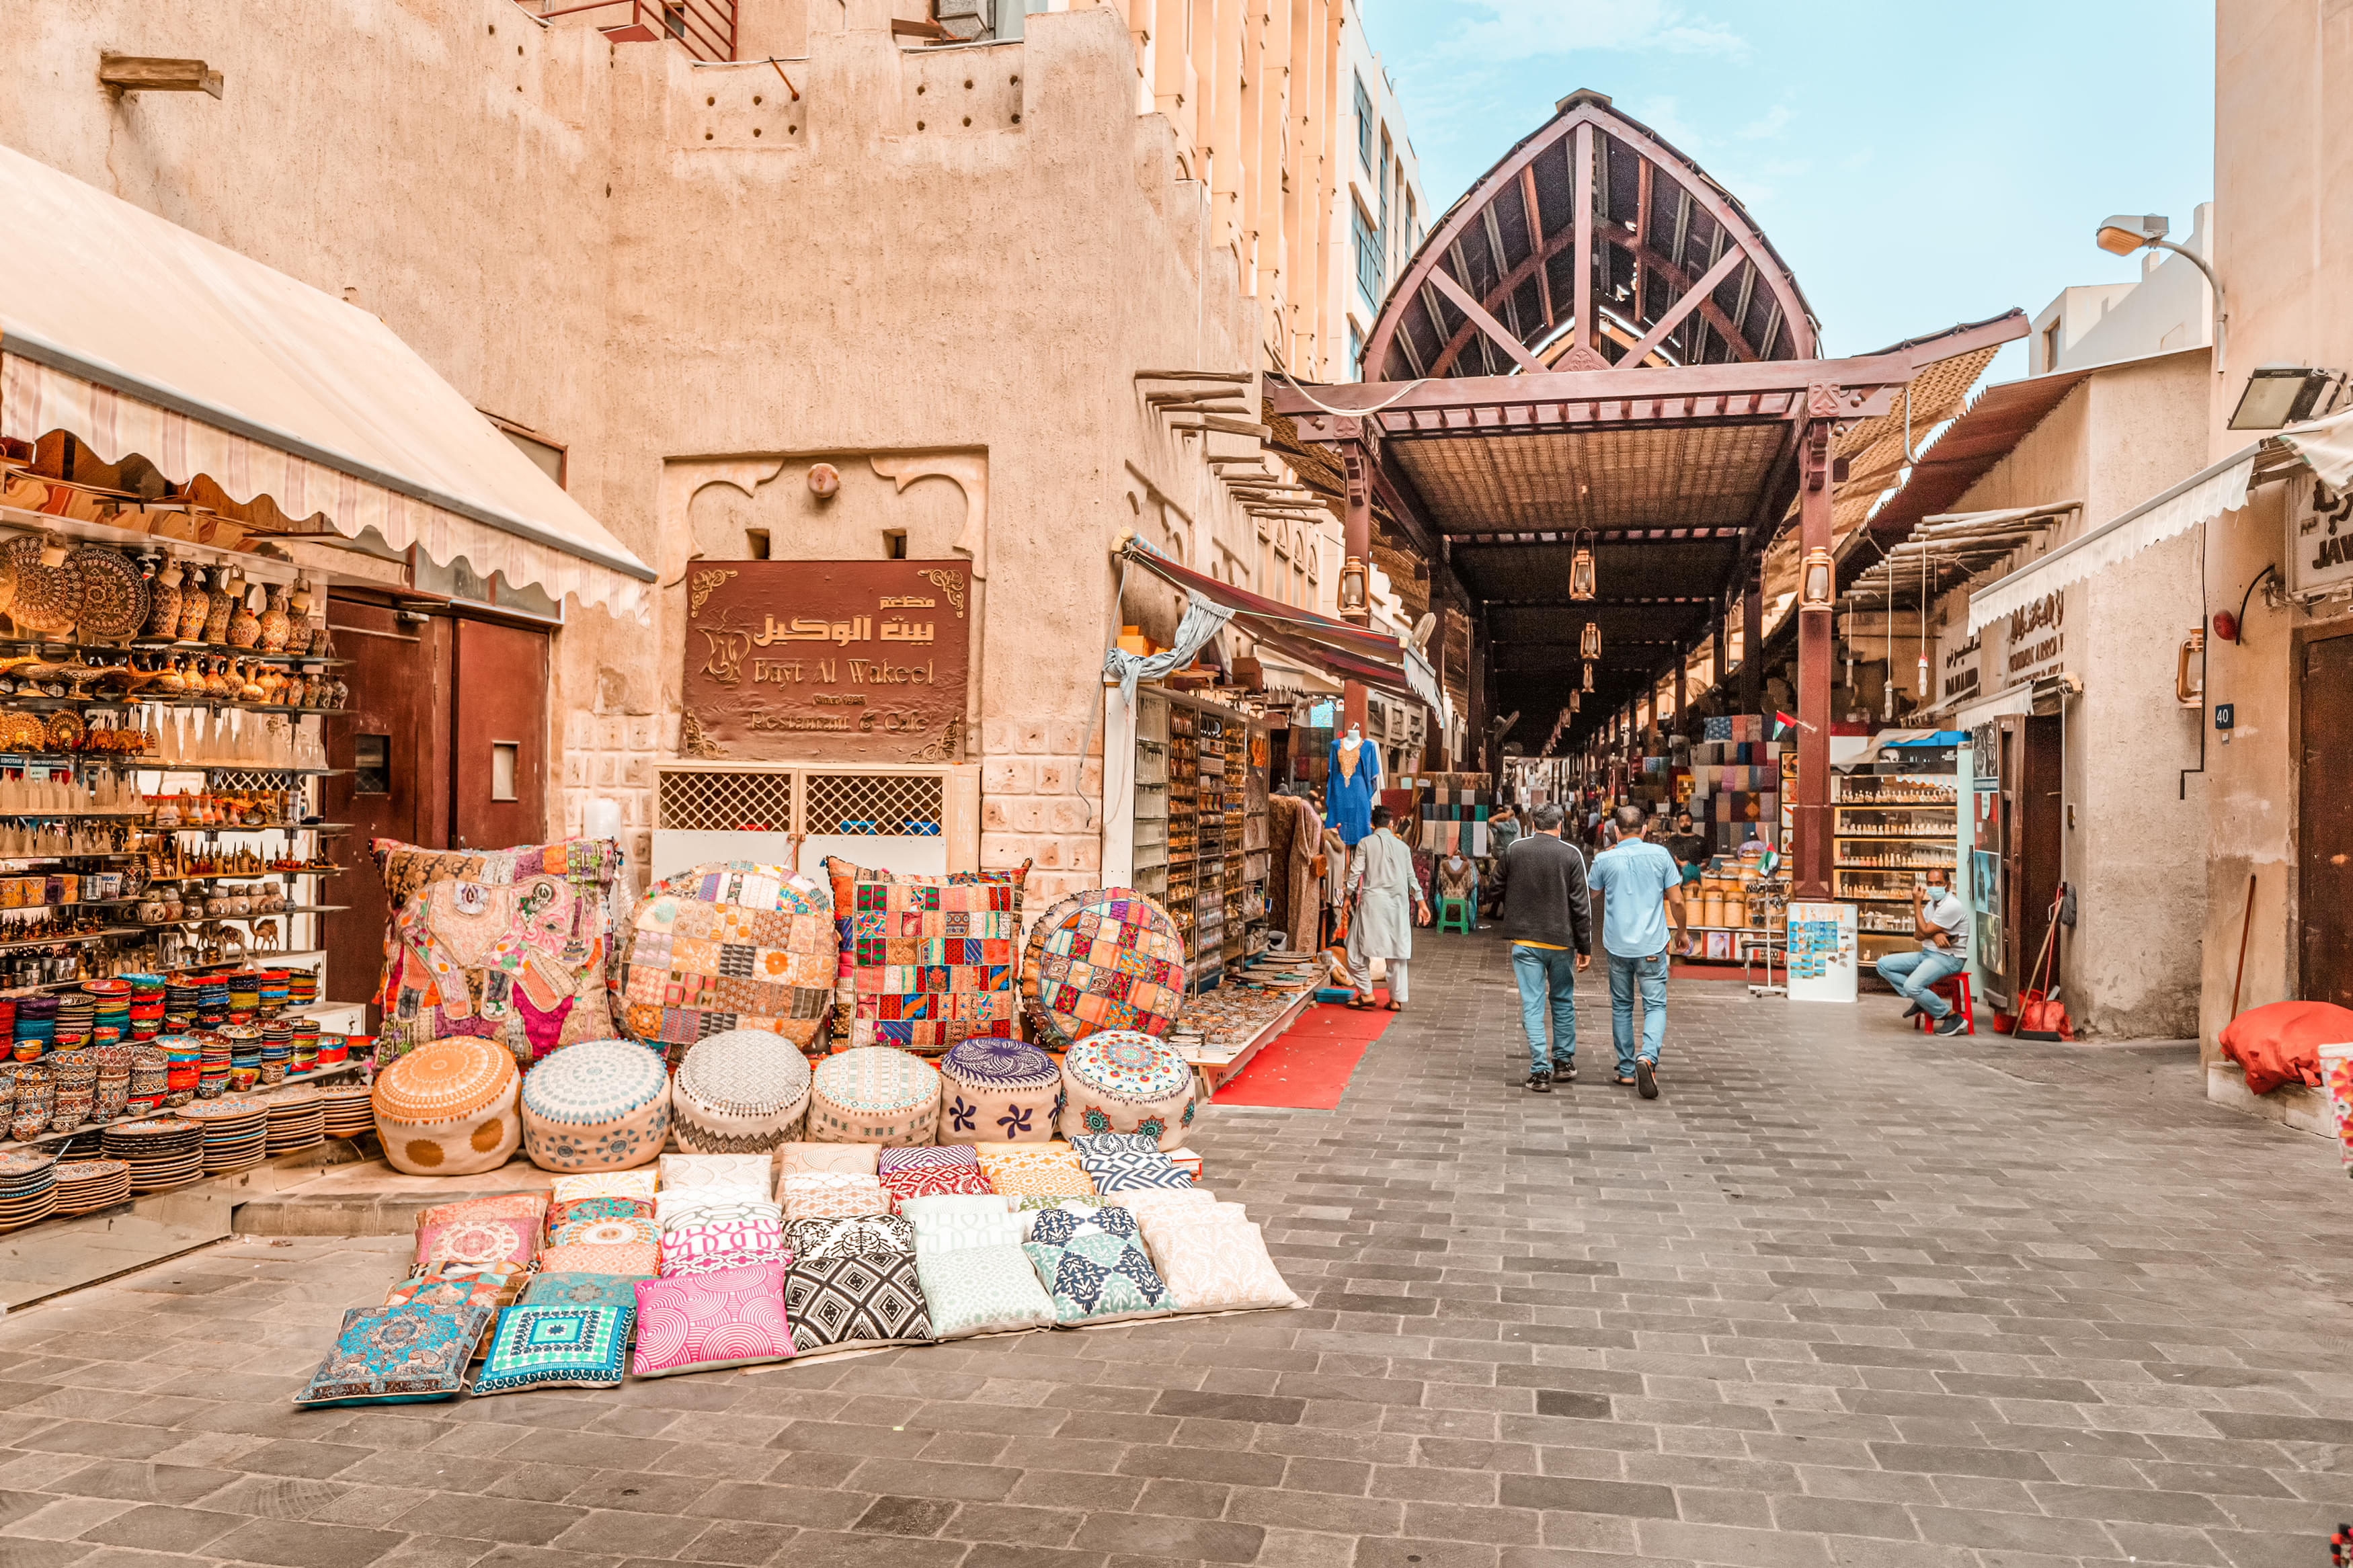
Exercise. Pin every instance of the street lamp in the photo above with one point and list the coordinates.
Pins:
(1588, 678)
(1591, 641)
(1581, 572)
(2121, 234)
(2277, 395)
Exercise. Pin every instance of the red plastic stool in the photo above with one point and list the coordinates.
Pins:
(1954, 989)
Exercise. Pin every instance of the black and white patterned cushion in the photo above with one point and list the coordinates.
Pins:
(1128, 1163)
(865, 1299)
(820, 1240)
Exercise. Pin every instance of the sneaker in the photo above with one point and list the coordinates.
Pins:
(1646, 1078)
(1952, 1024)
(1541, 1082)
(1565, 1071)
(1912, 1012)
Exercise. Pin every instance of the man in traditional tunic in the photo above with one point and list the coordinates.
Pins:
(1381, 880)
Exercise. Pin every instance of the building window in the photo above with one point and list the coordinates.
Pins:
(1356, 351)
(1363, 124)
(1369, 257)
(2051, 335)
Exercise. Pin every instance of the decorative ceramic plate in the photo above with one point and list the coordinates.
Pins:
(25, 1162)
(115, 596)
(48, 598)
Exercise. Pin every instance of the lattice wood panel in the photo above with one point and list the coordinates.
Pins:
(880, 804)
(725, 800)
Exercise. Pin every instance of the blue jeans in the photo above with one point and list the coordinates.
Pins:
(1625, 976)
(1547, 978)
(1913, 972)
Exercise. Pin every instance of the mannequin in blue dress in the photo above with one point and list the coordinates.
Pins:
(1352, 784)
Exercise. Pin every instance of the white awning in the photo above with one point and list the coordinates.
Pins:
(135, 335)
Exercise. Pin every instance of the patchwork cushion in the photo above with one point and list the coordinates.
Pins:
(815, 1241)
(1109, 958)
(917, 1173)
(510, 947)
(1035, 1170)
(608, 1231)
(685, 1173)
(854, 1159)
(582, 1290)
(833, 1194)
(745, 1090)
(639, 1260)
(729, 946)
(477, 1242)
(1122, 1082)
(1216, 1265)
(459, 1284)
(1126, 1163)
(583, 1210)
(1093, 1264)
(874, 1095)
(1008, 1090)
(925, 962)
(603, 1185)
(397, 1355)
(982, 1291)
(552, 1346)
(953, 1223)
(449, 1108)
(857, 1300)
(505, 1205)
(694, 1323)
(601, 1105)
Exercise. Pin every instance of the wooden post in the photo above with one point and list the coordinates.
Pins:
(1811, 878)
(1723, 677)
(1752, 639)
(1356, 532)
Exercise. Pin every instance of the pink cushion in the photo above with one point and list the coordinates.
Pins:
(478, 1241)
(694, 1323)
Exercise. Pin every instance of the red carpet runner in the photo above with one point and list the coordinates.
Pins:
(1309, 1067)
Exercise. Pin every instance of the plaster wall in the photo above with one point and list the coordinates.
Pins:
(699, 284)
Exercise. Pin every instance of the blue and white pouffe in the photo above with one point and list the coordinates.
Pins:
(601, 1105)
(874, 1094)
(1123, 1080)
(740, 1092)
(999, 1091)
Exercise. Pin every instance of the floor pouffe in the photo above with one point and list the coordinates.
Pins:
(874, 1094)
(731, 945)
(1005, 1091)
(1106, 959)
(742, 1093)
(448, 1108)
(1124, 1081)
(601, 1105)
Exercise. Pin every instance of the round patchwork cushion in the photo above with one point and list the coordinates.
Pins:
(874, 1094)
(1106, 959)
(1124, 1081)
(742, 1093)
(732, 945)
(999, 1091)
(448, 1108)
(601, 1105)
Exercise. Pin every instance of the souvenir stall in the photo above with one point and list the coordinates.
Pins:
(1895, 820)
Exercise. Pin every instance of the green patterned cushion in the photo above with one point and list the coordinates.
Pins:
(982, 1291)
(1093, 1264)
(398, 1355)
(555, 1347)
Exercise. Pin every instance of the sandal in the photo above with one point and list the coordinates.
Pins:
(1360, 1004)
(1393, 1006)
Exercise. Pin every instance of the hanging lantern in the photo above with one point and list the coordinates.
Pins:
(1581, 572)
(1816, 585)
(1591, 647)
(1575, 699)
(1351, 586)
(1588, 678)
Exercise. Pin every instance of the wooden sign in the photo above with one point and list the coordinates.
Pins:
(859, 662)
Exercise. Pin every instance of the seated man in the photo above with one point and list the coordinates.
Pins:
(1456, 876)
(1942, 924)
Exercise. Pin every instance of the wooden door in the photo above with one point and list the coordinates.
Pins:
(394, 750)
(2325, 820)
(498, 772)
(2035, 830)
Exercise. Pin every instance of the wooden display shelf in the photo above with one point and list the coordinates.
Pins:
(256, 1094)
(1217, 1066)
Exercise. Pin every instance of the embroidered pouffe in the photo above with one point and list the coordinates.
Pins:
(601, 1105)
(1008, 1091)
(732, 945)
(1124, 1081)
(1106, 959)
(448, 1108)
(874, 1094)
(742, 1093)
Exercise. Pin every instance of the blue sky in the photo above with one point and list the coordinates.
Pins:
(1917, 164)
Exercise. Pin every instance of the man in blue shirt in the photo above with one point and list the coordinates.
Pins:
(1639, 883)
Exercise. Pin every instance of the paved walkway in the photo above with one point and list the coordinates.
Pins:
(1843, 1296)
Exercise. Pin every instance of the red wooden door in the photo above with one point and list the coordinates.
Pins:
(2324, 821)
(498, 774)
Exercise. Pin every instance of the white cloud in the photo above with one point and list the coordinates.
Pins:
(1527, 29)
(1768, 124)
(1664, 115)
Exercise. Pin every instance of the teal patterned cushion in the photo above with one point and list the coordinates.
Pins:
(1093, 1264)
(397, 1355)
(982, 1291)
(555, 1347)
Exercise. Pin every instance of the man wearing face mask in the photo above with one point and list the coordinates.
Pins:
(1942, 924)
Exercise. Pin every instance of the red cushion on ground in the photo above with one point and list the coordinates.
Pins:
(2280, 1042)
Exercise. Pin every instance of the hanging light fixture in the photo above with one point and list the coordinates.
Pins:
(1580, 571)
(1351, 586)
(1923, 686)
(1817, 584)
(1591, 643)
(1575, 699)
(1588, 678)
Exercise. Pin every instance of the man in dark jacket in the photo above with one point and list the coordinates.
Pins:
(1548, 920)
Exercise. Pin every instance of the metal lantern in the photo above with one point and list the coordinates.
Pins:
(1591, 647)
(1588, 678)
(1351, 586)
(1581, 572)
(1575, 699)
(1815, 587)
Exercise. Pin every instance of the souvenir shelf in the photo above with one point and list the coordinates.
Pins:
(1200, 824)
(1888, 830)
(1151, 797)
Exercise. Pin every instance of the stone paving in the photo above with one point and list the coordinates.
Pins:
(1845, 1295)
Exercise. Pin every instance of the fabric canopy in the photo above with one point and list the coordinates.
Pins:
(137, 336)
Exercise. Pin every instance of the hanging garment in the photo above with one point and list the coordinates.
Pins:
(1349, 792)
(1293, 884)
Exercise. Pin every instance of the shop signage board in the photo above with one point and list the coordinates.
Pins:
(846, 661)
(2319, 537)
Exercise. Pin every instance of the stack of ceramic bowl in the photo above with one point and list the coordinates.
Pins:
(306, 1044)
(76, 1014)
(151, 1080)
(29, 1186)
(29, 1116)
(348, 1111)
(181, 996)
(235, 1133)
(7, 1023)
(212, 1067)
(184, 1056)
(301, 988)
(277, 1045)
(146, 1005)
(243, 1054)
(35, 1026)
(86, 1184)
(273, 991)
(244, 991)
(75, 1076)
(162, 1152)
(297, 1119)
(275, 1055)
(212, 1002)
(113, 1081)
(110, 1010)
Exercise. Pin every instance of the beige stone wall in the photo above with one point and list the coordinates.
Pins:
(673, 270)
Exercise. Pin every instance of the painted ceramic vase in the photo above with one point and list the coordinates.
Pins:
(223, 609)
(164, 602)
(195, 606)
(275, 624)
(244, 629)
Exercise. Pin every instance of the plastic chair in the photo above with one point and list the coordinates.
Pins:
(1954, 988)
(1456, 914)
